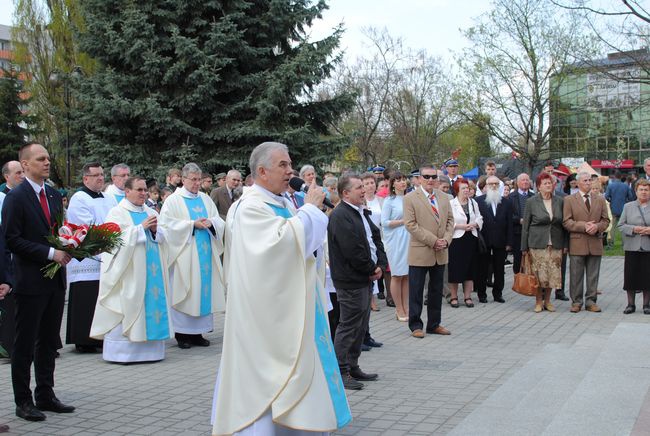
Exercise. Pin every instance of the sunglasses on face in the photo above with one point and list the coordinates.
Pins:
(429, 176)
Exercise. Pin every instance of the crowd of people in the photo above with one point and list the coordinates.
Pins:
(321, 259)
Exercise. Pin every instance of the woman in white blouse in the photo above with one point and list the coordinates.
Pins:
(463, 250)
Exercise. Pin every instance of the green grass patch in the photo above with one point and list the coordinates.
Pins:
(617, 249)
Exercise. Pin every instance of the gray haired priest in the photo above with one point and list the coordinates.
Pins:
(132, 311)
(194, 231)
(278, 373)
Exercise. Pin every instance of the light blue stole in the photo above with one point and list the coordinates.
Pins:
(197, 210)
(119, 198)
(325, 349)
(155, 300)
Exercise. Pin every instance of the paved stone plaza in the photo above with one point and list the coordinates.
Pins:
(426, 386)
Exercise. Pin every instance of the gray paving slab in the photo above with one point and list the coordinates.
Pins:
(620, 378)
(426, 386)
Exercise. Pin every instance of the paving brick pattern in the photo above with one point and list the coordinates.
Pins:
(426, 386)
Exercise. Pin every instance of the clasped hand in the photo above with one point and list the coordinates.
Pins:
(641, 230)
(591, 228)
(202, 223)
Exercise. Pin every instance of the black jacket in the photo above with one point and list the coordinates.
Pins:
(349, 252)
(517, 210)
(26, 229)
(496, 230)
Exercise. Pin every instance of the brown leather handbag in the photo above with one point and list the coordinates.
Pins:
(525, 282)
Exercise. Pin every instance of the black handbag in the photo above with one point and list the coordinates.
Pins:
(482, 246)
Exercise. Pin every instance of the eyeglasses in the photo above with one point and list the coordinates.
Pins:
(429, 176)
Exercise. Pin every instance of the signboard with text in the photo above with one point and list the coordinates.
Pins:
(613, 90)
(615, 163)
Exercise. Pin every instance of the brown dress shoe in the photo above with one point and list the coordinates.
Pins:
(575, 308)
(593, 308)
(417, 334)
(440, 330)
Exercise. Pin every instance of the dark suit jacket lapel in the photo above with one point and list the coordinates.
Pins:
(35, 204)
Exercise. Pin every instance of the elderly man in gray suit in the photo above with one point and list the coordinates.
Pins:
(224, 196)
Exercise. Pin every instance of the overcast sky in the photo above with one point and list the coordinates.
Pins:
(424, 24)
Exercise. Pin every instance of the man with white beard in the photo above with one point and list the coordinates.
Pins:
(498, 235)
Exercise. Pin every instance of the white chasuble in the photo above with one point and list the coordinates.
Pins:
(133, 283)
(278, 366)
(196, 272)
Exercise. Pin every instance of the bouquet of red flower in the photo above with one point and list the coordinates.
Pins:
(83, 242)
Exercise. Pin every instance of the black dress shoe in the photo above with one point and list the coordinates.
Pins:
(29, 412)
(359, 375)
(365, 347)
(54, 405)
(499, 299)
(482, 299)
(629, 309)
(372, 343)
(390, 303)
(381, 296)
(4, 428)
(350, 383)
(559, 295)
(85, 348)
(200, 341)
(183, 345)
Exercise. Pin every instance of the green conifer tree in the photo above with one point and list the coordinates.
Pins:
(13, 121)
(214, 77)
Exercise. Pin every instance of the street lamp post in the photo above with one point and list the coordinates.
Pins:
(60, 79)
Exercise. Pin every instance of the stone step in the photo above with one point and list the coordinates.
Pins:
(608, 399)
(537, 390)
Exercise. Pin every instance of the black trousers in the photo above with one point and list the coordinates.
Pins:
(38, 323)
(355, 312)
(496, 258)
(333, 315)
(8, 322)
(516, 253)
(417, 275)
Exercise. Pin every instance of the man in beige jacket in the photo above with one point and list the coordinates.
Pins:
(430, 221)
(585, 218)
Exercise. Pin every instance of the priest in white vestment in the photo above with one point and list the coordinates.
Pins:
(119, 174)
(132, 312)
(87, 206)
(194, 232)
(278, 372)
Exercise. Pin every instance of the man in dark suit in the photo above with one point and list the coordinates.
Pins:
(226, 195)
(518, 203)
(5, 288)
(497, 233)
(357, 259)
(29, 214)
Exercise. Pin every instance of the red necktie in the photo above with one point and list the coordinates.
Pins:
(432, 199)
(293, 198)
(44, 206)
